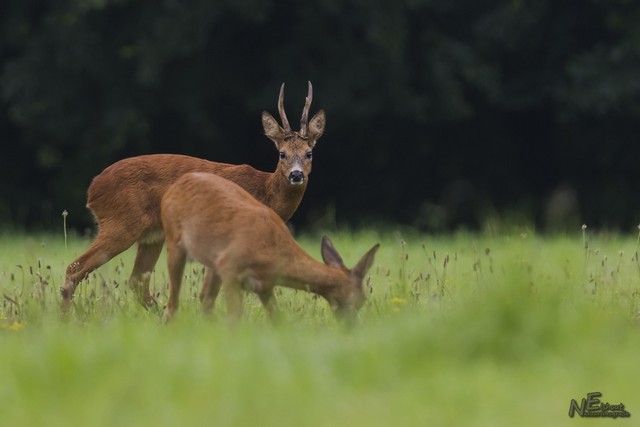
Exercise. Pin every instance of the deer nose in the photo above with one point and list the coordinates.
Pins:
(296, 177)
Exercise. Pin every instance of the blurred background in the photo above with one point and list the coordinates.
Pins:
(441, 114)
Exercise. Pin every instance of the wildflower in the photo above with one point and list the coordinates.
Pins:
(13, 326)
(16, 326)
(395, 304)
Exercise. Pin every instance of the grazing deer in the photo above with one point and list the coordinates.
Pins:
(125, 198)
(246, 245)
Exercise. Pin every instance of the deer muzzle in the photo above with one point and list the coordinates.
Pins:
(296, 177)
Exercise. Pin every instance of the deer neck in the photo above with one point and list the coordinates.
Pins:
(313, 276)
(282, 196)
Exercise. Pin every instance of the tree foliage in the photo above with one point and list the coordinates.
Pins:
(440, 112)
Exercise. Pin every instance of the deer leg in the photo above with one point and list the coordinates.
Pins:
(107, 245)
(233, 297)
(264, 292)
(210, 290)
(176, 260)
(146, 258)
(269, 303)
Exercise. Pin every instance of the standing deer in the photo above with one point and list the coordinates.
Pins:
(246, 245)
(125, 198)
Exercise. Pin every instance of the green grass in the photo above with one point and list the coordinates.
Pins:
(458, 330)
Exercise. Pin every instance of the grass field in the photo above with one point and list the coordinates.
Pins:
(465, 329)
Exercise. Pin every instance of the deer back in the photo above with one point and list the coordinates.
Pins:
(212, 217)
(130, 190)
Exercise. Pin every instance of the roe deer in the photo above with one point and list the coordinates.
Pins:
(245, 245)
(125, 198)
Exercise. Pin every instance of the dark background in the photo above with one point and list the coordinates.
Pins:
(440, 113)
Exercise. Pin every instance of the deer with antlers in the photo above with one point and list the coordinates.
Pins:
(246, 246)
(125, 198)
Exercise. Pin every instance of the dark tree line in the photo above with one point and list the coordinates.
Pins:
(440, 113)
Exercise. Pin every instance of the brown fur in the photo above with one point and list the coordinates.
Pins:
(246, 245)
(125, 200)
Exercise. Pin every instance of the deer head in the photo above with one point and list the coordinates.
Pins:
(345, 301)
(295, 148)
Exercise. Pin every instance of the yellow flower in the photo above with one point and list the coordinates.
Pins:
(13, 326)
(16, 326)
(395, 304)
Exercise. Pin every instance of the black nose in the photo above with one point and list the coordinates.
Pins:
(296, 177)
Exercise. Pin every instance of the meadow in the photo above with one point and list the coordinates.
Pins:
(490, 329)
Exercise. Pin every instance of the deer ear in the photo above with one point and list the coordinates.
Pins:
(271, 128)
(316, 126)
(365, 263)
(330, 256)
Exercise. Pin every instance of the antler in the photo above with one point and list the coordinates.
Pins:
(305, 112)
(283, 116)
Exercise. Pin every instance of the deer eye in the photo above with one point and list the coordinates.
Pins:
(309, 154)
(282, 155)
